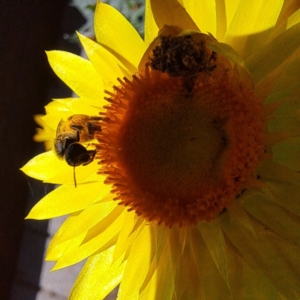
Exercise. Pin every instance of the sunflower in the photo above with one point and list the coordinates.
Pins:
(194, 189)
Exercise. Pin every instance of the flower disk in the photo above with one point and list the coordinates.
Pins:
(180, 148)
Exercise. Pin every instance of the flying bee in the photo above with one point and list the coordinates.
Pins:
(69, 136)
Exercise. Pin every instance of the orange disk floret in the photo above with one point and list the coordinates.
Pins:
(178, 150)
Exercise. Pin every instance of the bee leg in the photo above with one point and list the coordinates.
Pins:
(93, 127)
(74, 176)
(91, 154)
(96, 118)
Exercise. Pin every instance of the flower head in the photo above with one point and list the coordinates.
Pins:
(190, 187)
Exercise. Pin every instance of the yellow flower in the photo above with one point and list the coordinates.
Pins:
(43, 135)
(197, 192)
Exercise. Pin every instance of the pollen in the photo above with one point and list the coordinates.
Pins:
(178, 148)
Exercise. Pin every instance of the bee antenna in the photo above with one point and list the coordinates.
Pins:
(74, 175)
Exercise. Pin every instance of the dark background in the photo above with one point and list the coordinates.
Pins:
(27, 28)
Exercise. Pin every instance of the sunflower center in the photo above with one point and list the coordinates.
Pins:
(179, 148)
(170, 142)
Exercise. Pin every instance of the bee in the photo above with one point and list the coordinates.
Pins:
(70, 134)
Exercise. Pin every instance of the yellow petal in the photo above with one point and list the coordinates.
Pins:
(225, 11)
(272, 216)
(38, 120)
(263, 256)
(248, 30)
(289, 252)
(86, 219)
(55, 250)
(49, 168)
(160, 240)
(290, 75)
(117, 35)
(290, 15)
(272, 171)
(193, 288)
(165, 275)
(204, 15)
(207, 269)
(179, 260)
(137, 266)
(212, 16)
(55, 107)
(99, 276)
(126, 236)
(285, 194)
(183, 266)
(170, 12)
(282, 185)
(268, 58)
(44, 134)
(294, 18)
(290, 92)
(151, 29)
(149, 290)
(286, 117)
(215, 243)
(94, 240)
(81, 173)
(238, 215)
(107, 226)
(242, 286)
(56, 203)
(53, 119)
(287, 153)
(44, 166)
(82, 79)
(105, 63)
(77, 106)
(285, 79)
(92, 176)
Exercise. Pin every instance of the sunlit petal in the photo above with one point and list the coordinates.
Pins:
(83, 80)
(99, 276)
(56, 204)
(151, 29)
(113, 31)
(170, 12)
(105, 63)
(248, 30)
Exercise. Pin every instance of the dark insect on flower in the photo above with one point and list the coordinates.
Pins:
(69, 136)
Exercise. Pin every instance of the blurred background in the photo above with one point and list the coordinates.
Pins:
(27, 84)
